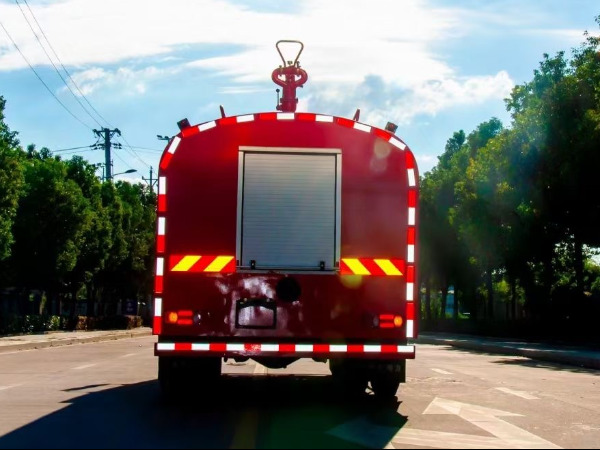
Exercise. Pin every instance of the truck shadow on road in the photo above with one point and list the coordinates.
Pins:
(240, 411)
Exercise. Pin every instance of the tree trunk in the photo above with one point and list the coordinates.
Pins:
(579, 267)
(489, 285)
(444, 299)
(428, 298)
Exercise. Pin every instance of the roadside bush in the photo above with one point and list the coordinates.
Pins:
(15, 324)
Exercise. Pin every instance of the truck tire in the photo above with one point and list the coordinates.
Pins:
(386, 377)
(385, 385)
(349, 377)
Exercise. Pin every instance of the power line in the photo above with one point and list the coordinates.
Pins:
(54, 65)
(63, 67)
(149, 150)
(72, 148)
(41, 80)
(133, 152)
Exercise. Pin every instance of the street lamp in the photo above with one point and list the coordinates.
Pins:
(127, 171)
(160, 137)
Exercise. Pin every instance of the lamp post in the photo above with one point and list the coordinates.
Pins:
(127, 171)
(160, 137)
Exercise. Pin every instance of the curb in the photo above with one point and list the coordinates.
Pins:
(555, 356)
(72, 341)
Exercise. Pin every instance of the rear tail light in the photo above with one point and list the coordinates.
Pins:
(388, 321)
(181, 317)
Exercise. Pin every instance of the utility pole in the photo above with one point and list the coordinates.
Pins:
(107, 135)
(151, 182)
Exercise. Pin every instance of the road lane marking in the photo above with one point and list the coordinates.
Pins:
(363, 431)
(521, 394)
(260, 369)
(443, 372)
(127, 355)
(86, 366)
(3, 388)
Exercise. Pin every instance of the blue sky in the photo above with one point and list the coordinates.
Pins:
(431, 66)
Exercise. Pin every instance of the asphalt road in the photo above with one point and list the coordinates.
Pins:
(105, 395)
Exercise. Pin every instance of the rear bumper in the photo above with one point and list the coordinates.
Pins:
(285, 350)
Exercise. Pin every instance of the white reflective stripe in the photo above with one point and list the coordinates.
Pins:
(157, 307)
(338, 348)
(410, 287)
(411, 254)
(401, 145)
(410, 328)
(162, 185)
(160, 267)
(304, 348)
(406, 348)
(372, 348)
(412, 181)
(411, 216)
(207, 126)
(362, 127)
(201, 347)
(285, 116)
(174, 144)
(235, 347)
(324, 118)
(161, 226)
(269, 347)
(165, 346)
(248, 118)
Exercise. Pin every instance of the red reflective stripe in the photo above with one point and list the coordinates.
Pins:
(185, 313)
(287, 348)
(410, 311)
(410, 274)
(400, 265)
(386, 325)
(218, 347)
(187, 132)
(267, 116)
(344, 269)
(410, 160)
(386, 317)
(411, 236)
(157, 325)
(389, 349)
(371, 266)
(158, 284)
(230, 267)
(184, 322)
(252, 348)
(382, 134)
(412, 198)
(166, 159)
(321, 348)
(162, 203)
(183, 346)
(345, 122)
(227, 120)
(160, 243)
(307, 117)
(356, 348)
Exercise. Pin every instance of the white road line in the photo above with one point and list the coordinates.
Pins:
(127, 355)
(443, 372)
(260, 369)
(3, 388)
(84, 366)
(521, 394)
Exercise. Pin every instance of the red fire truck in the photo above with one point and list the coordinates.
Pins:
(286, 235)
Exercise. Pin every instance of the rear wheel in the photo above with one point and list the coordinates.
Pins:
(349, 376)
(386, 378)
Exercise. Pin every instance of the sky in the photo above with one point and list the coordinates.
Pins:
(430, 66)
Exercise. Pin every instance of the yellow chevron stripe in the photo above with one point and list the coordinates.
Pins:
(218, 264)
(186, 263)
(387, 267)
(356, 266)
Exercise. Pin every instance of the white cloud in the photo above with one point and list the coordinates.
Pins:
(347, 41)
